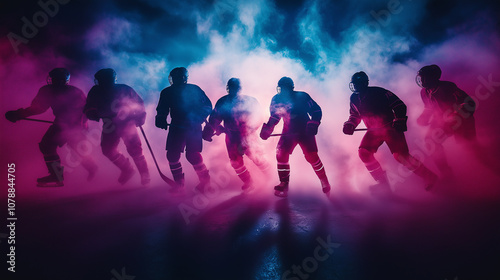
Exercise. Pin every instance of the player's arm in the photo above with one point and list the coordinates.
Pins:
(353, 121)
(39, 105)
(399, 109)
(162, 111)
(267, 128)
(426, 115)
(206, 106)
(90, 108)
(464, 102)
(314, 110)
(213, 126)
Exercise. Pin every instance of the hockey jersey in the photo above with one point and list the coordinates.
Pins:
(66, 101)
(117, 102)
(296, 108)
(376, 106)
(187, 104)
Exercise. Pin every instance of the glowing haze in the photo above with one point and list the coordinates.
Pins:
(319, 44)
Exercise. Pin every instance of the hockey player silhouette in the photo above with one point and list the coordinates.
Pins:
(240, 114)
(188, 107)
(301, 116)
(121, 110)
(384, 114)
(69, 124)
(448, 111)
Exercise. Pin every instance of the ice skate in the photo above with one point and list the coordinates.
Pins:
(126, 175)
(325, 186)
(51, 180)
(281, 190)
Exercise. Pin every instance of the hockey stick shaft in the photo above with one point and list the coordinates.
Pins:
(165, 178)
(36, 120)
(282, 134)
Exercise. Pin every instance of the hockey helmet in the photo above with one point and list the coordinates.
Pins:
(233, 86)
(58, 76)
(359, 81)
(178, 75)
(106, 76)
(285, 83)
(428, 76)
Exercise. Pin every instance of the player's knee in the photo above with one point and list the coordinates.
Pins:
(236, 163)
(365, 155)
(109, 153)
(281, 156)
(194, 157)
(173, 156)
(311, 157)
(134, 151)
(43, 148)
(401, 157)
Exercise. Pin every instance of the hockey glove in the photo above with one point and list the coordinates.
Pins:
(266, 131)
(208, 133)
(140, 119)
(399, 124)
(219, 130)
(312, 127)
(348, 128)
(14, 116)
(161, 122)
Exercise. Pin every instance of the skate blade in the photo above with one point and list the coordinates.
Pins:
(50, 185)
(281, 193)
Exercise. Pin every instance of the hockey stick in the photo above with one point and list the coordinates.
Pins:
(283, 134)
(165, 178)
(36, 120)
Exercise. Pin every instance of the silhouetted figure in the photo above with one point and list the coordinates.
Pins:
(384, 114)
(69, 125)
(301, 116)
(188, 107)
(448, 111)
(121, 110)
(240, 114)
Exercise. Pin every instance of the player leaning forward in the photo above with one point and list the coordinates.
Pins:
(69, 125)
(301, 116)
(121, 110)
(384, 114)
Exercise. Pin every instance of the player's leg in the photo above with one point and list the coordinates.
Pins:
(77, 139)
(366, 152)
(175, 146)
(234, 151)
(48, 147)
(399, 148)
(133, 143)
(286, 144)
(194, 146)
(310, 150)
(109, 147)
